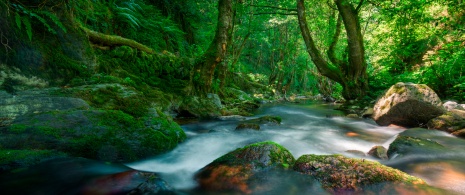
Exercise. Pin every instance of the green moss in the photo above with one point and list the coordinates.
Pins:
(14, 159)
(408, 144)
(337, 172)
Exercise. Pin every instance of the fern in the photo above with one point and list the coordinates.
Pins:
(28, 26)
(39, 15)
(18, 20)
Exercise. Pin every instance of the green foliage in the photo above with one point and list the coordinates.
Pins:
(23, 16)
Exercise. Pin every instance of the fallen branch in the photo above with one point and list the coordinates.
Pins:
(114, 40)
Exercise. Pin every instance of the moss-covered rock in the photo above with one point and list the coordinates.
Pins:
(450, 122)
(378, 152)
(95, 134)
(248, 126)
(338, 173)
(405, 144)
(234, 171)
(459, 133)
(201, 107)
(407, 104)
(15, 159)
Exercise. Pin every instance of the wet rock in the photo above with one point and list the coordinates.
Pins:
(96, 134)
(266, 120)
(367, 113)
(201, 107)
(82, 176)
(352, 116)
(17, 159)
(340, 174)
(408, 144)
(34, 102)
(235, 170)
(449, 122)
(248, 126)
(407, 104)
(459, 133)
(379, 152)
(128, 182)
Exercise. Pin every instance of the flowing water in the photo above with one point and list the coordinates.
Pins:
(305, 129)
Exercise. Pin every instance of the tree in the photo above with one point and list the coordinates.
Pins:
(350, 73)
(204, 68)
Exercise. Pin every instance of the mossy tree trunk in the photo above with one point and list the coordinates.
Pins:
(204, 68)
(350, 74)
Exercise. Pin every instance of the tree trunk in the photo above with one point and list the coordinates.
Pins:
(352, 74)
(204, 68)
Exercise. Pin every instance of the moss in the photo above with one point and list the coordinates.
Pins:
(337, 172)
(248, 126)
(106, 135)
(15, 159)
(407, 144)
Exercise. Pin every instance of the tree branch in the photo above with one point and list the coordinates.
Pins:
(359, 6)
(114, 40)
(332, 47)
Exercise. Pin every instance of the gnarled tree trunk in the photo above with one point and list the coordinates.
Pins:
(204, 68)
(351, 74)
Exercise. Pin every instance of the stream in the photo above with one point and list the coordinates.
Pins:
(310, 128)
(306, 129)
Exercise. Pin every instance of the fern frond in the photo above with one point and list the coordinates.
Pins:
(18, 20)
(54, 19)
(44, 22)
(134, 22)
(28, 27)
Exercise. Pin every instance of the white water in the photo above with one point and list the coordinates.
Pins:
(304, 130)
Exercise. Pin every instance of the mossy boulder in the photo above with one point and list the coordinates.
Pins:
(407, 104)
(451, 121)
(406, 144)
(201, 107)
(267, 120)
(378, 152)
(96, 134)
(235, 170)
(341, 174)
(248, 126)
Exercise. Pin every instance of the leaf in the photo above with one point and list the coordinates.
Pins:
(28, 26)
(18, 20)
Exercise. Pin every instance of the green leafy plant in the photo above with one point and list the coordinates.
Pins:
(24, 15)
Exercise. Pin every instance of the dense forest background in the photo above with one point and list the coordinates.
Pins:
(166, 44)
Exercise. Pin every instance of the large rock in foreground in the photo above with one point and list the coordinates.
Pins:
(96, 134)
(341, 174)
(235, 170)
(407, 104)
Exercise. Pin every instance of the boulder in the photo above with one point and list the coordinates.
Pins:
(367, 113)
(248, 126)
(378, 152)
(407, 104)
(451, 121)
(235, 170)
(201, 107)
(340, 174)
(407, 144)
(96, 134)
(459, 133)
(34, 102)
(450, 105)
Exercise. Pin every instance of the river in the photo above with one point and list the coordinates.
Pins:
(306, 129)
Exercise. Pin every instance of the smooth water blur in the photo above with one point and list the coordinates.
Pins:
(305, 129)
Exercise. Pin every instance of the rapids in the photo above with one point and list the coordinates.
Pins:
(305, 129)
